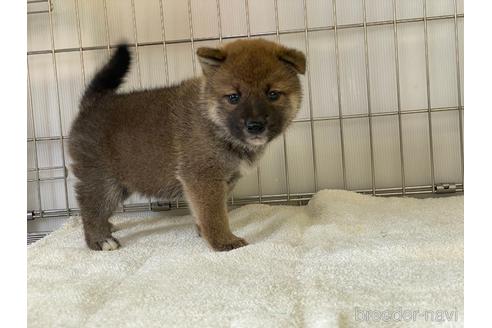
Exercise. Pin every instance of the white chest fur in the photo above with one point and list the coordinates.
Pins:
(246, 167)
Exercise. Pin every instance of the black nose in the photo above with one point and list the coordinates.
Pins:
(255, 127)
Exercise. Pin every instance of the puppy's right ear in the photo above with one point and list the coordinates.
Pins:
(294, 58)
(210, 59)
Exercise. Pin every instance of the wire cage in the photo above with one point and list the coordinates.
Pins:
(383, 94)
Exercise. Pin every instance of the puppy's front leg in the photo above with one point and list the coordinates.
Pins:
(207, 199)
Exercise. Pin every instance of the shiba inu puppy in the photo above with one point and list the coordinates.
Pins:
(187, 140)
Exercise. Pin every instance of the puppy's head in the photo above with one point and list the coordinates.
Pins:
(252, 88)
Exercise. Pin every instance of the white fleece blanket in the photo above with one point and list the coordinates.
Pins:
(344, 260)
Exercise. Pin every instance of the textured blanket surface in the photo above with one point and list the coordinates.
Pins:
(344, 260)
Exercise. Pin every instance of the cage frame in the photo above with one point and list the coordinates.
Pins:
(288, 197)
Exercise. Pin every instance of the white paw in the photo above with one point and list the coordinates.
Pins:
(109, 244)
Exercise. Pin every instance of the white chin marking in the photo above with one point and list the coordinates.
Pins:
(257, 141)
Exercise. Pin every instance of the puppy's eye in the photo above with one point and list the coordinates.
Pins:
(233, 98)
(273, 95)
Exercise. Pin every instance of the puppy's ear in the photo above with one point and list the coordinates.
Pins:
(294, 58)
(210, 59)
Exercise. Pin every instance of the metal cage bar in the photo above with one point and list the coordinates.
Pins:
(163, 34)
(429, 104)
(219, 20)
(398, 100)
(60, 120)
(246, 12)
(368, 91)
(35, 143)
(135, 36)
(272, 199)
(259, 34)
(192, 37)
(284, 138)
(458, 86)
(106, 25)
(79, 39)
(339, 94)
(310, 98)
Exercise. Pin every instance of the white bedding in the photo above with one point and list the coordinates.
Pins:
(332, 263)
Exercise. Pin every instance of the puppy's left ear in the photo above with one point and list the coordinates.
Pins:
(294, 58)
(210, 59)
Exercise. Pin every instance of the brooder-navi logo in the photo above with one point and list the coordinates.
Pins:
(400, 314)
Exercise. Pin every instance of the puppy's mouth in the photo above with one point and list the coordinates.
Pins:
(257, 140)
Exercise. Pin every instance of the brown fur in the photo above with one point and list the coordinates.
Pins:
(181, 140)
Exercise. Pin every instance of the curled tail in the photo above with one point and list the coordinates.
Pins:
(110, 77)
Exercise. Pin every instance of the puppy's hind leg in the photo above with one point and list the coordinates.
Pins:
(98, 198)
